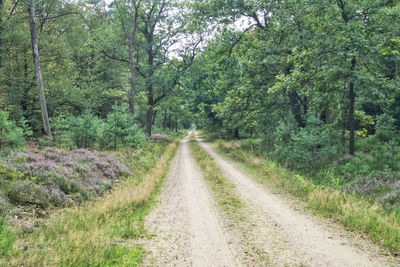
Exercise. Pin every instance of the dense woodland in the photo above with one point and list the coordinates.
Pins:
(314, 83)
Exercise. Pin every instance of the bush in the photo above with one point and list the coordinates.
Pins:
(3, 203)
(84, 130)
(89, 131)
(137, 136)
(11, 136)
(385, 129)
(41, 179)
(386, 156)
(76, 131)
(119, 129)
(307, 148)
(250, 145)
(62, 132)
(27, 193)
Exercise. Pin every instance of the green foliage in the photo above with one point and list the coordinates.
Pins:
(386, 156)
(119, 129)
(355, 212)
(62, 133)
(82, 235)
(90, 131)
(84, 129)
(385, 128)
(27, 193)
(11, 136)
(7, 238)
(76, 131)
(309, 148)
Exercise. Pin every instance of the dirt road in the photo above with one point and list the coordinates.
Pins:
(185, 224)
(189, 230)
(317, 243)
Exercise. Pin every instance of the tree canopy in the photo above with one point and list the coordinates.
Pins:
(240, 68)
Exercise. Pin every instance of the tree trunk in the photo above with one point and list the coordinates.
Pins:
(149, 117)
(154, 117)
(1, 31)
(132, 63)
(236, 134)
(165, 120)
(170, 119)
(24, 100)
(343, 117)
(149, 82)
(132, 80)
(38, 73)
(295, 108)
(352, 97)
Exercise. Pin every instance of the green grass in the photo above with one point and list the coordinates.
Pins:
(354, 212)
(229, 202)
(7, 238)
(103, 232)
(224, 191)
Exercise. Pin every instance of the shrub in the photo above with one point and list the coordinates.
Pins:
(62, 133)
(386, 156)
(250, 144)
(137, 136)
(89, 131)
(119, 129)
(84, 130)
(307, 148)
(3, 203)
(380, 185)
(51, 177)
(11, 136)
(27, 193)
(385, 128)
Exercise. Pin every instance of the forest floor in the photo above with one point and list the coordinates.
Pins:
(190, 227)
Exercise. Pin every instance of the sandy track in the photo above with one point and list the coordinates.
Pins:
(185, 224)
(308, 241)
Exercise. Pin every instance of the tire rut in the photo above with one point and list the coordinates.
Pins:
(185, 226)
(305, 239)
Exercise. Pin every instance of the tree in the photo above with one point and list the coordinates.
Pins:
(1, 30)
(130, 9)
(38, 72)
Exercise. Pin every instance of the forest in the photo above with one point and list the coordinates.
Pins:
(311, 85)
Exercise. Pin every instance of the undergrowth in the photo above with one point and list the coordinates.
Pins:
(355, 212)
(102, 232)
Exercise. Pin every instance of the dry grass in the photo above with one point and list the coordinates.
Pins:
(100, 232)
(352, 211)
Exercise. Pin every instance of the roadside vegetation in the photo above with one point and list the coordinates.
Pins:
(104, 231)
(331, 199)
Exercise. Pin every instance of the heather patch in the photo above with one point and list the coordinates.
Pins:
(380, 185)
(37, 180)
